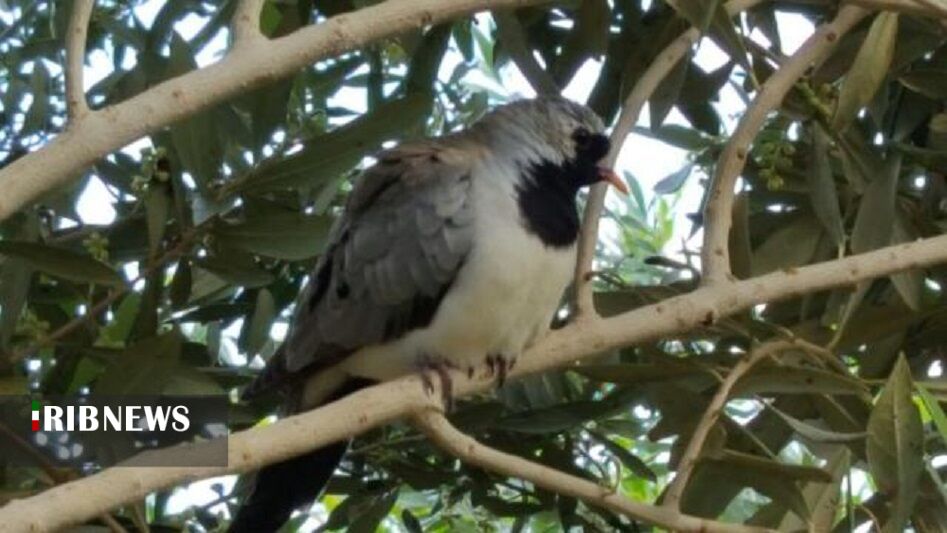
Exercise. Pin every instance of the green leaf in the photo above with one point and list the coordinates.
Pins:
(588, 39)
(666, 94)
(189, 381)
(180, 290)
(16, 274)
(934, 408)
(674, 181)
(785, 379)
(822, 192)
(874, 223)
(781, 489)
(258, 328)
(822, 499)
(741, 254)
(896, 445)
(195, 138)
(790, 246)
(327, 156)
(636, 373)
(289, 236)
(764, 466)
(368, 519)
(39, 112)
(511, 34)
(710, 17)
(120, 327)
(816, 433)
(630, 460)
(144, 368)
(928, 81)
(680, 136)
(411, 522)
(868, 70)
(909, 283)
(234, 267)
(157, 208)
(62, 263)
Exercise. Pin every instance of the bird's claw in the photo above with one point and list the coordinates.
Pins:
(499, 365)
(441, 368)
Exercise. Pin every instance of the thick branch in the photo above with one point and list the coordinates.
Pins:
(718, 215)
(246, 22)
(76, 33)
(446, 436)
(83, 499)
(103, 131)
(659, 69)
(685, 467)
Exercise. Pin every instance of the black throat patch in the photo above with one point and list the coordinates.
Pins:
(546, 197)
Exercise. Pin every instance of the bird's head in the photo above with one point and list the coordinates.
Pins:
(552, 130)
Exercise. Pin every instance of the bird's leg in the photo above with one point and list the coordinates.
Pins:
(441, 367)
(499, 365)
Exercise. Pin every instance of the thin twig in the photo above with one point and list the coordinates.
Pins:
(76, 33)
(718, 214)
(453, 441)
(659, 69)
(113, 296)
(685, 467)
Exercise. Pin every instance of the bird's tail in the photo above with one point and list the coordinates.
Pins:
(280, 488)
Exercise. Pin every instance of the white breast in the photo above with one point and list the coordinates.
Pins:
(504, 296)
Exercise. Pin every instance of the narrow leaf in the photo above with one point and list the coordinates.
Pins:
(874, 223)
(868, 70)
(822, 192)
(62, 263)
(934, 408)
(896, 445)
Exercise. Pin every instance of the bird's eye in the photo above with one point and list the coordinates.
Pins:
(582, 137)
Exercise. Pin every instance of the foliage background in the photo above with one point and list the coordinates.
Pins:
(219, 218)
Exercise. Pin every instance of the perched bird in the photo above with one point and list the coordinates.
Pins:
(452, 252)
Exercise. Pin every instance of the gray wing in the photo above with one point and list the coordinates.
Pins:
(392, 256)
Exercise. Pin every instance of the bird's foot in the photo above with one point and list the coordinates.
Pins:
(440, 367)
(499, 365)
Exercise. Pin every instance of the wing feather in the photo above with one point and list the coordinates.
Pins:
(392, 255)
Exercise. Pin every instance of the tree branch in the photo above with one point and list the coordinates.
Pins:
(659, 69)
(104, 131)
(354, 414)
(454, 442)
(246, 22)
(685, 467)
(718, 215)
(76, 33)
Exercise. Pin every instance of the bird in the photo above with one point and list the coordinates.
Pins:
(451, 252)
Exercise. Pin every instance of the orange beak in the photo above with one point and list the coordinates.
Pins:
(609, 175)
